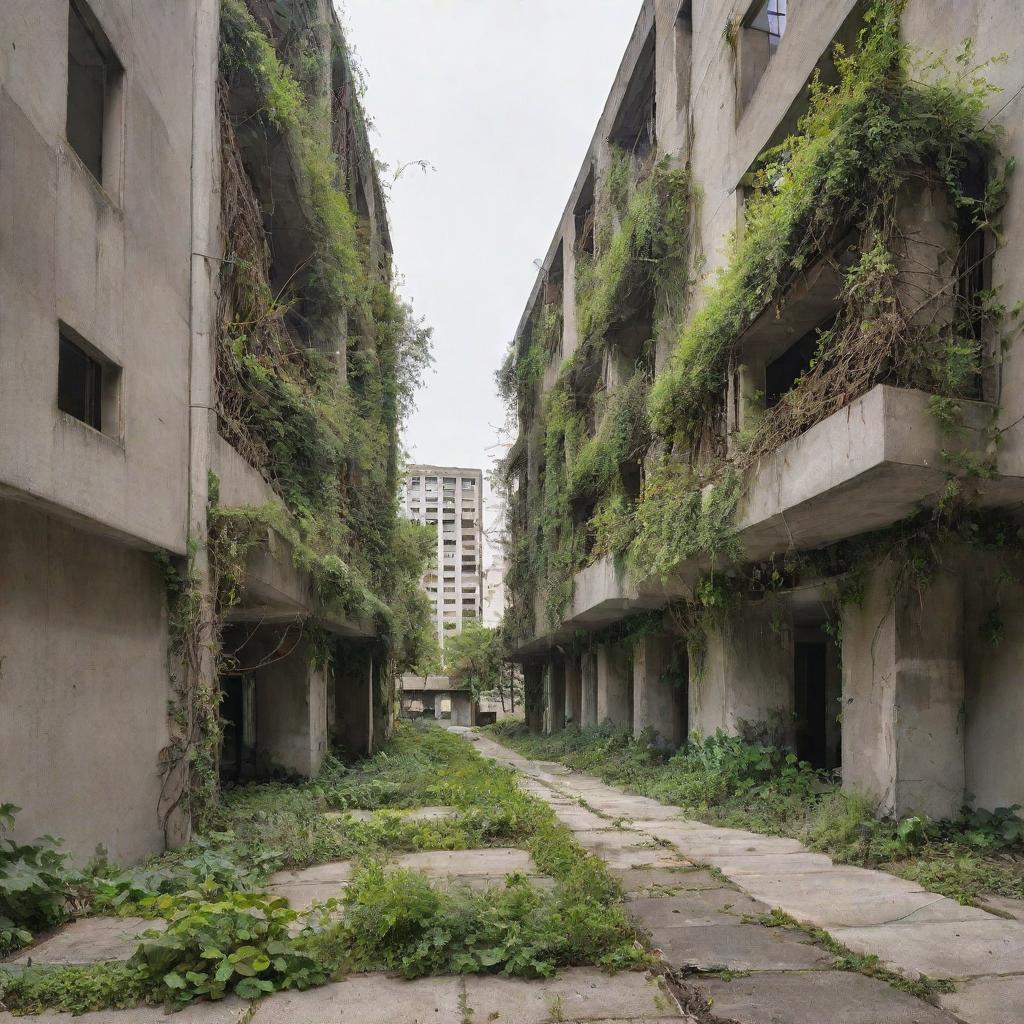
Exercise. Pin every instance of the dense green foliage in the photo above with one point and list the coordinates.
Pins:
(728, 781)
(881, 131)
(474, 657)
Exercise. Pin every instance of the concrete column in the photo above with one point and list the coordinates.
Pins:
(463, 708)
(614, 686)
(658, 699)
(382, 701)
(533, 697)
(554, 703)
(291, 712)
(743, 682)
(588, 687)
(573, 690)
(353, 699)
(903, 694)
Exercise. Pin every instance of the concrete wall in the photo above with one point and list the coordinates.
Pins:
(463, 709)
(83, 685)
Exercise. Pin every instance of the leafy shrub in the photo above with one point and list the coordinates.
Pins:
(73, 989)
(1001, 827)
(35, 884)
(238, 943)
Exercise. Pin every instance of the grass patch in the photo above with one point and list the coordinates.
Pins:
(226, 936)
(725, 781)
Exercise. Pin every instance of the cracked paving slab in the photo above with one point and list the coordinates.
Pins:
(228, 1011)
(87, 941)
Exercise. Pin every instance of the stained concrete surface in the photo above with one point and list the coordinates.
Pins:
(410, 814)
(90, 940)
(230, 1011)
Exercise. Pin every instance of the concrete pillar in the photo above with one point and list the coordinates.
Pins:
(554, 703)
(588, 687)
(382, 700)
(533, 697)
(903, 694)
(573, 690)
(353, 699)
(659, 691)
(614, 686)
(743, 681)
(463, 708)
(291, 711)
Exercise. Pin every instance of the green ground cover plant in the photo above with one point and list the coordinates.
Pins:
(225, 934)
(727, 781)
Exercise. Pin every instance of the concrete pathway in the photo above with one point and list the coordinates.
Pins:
(706, 921)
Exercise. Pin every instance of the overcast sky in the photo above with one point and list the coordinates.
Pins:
(501, 97)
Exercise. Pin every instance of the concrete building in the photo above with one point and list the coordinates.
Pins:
(888, 677)
(437, 697)
(450, 499)
(122, 173)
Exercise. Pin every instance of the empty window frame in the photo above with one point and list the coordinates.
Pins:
(633, 128)
(93, 95)
(87, 384)
(759, 38)
(584, 217)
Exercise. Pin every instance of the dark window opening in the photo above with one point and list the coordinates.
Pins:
(760, 36)
(584, 217)
(683, 53)
(232, 715)
(633, 128)
(93, 71)
(972, 260)
(782, 374)
(79, 384)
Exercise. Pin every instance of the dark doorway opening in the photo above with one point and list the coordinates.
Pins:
(817, 686)
(232, 713)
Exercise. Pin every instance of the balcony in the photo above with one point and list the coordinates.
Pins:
(864, 468)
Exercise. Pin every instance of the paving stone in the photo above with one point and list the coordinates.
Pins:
(853, 898)
(493, 861)
(302, 895)
(665, 880)
(988, 1000)
(333, 871)
(710, 906)
(710, 846)
(964, 949)
(366, 999)
(817, 997)
(773, 863)
(1003, 906)
(675, 822)
(743, 947)
(579, 818)
(227, 1011)
(88, 941)
(580, 994)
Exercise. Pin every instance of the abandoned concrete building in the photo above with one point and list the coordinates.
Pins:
(710, 530)
(199, 303)
(451, 500)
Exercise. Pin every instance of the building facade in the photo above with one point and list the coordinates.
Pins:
(750, 491)
(450, 499)
(169, 307)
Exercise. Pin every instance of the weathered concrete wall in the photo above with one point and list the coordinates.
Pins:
(656, 695)
(554, 703)
(291, 711)
(111, 260)
(903, 694)
(573, 690)
(614, 685)
(747, 675)
(83, 685)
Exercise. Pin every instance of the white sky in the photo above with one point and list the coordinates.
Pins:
(502, 97)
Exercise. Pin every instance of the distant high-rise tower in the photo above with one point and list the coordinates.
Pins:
(452, 500)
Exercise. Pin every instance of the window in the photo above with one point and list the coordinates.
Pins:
(633, 128)
(584, 217)
(93, 98)
(87, 385)
(759, 39)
